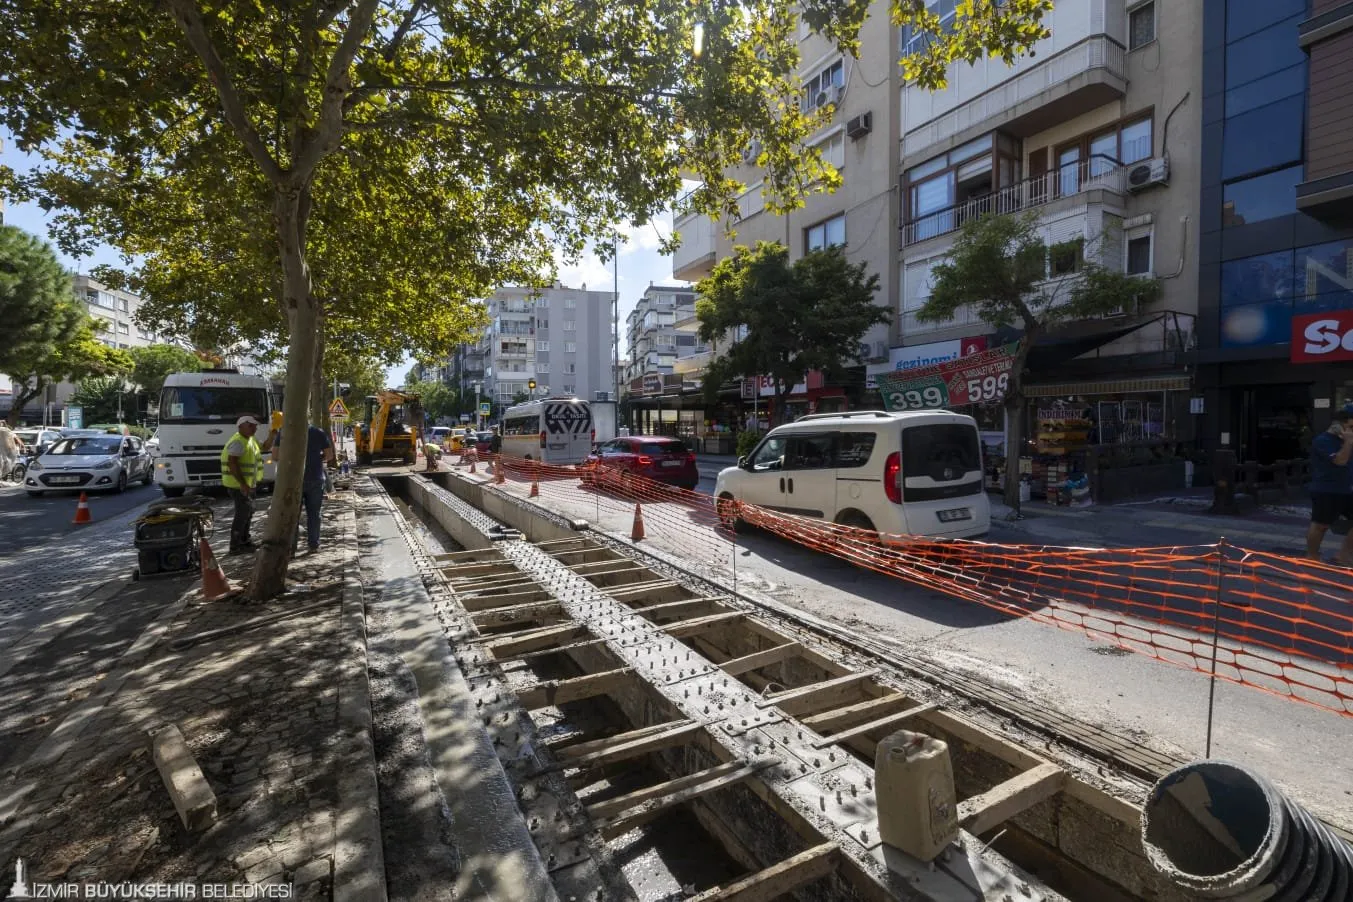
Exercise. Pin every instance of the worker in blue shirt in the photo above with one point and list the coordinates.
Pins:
(319, 451)
(1332, 484)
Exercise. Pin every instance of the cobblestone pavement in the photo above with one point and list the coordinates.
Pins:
(267, 710)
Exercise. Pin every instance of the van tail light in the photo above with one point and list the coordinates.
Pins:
(645, 460)
(892, 477)
(542, 438)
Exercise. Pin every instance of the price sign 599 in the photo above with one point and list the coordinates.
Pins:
(984, 389)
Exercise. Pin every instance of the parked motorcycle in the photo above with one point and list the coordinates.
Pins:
(20, 468)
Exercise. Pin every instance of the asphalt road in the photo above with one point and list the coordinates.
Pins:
(25, 521)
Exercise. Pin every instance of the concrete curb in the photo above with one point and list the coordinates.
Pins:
(359, 858)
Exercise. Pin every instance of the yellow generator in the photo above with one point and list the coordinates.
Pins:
(390, 428)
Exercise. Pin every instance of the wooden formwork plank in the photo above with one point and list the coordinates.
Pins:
(461, 572)
(531, 639)
(888, 720)
(812, 656)
(683, 628)
(675, 607)
(611, 807)
(491, 601)
(850, 715)
(578, 749)
(559, 692)
(646, 811)
(621, 748)
(540, 653)
(608, 562)
(520, 614)
(478, 586)
(635, 588)
(1000, 803)
(817, 695)
(758, 659)
(569, 541)
(470, 554)
(640, 607)
(778, 879)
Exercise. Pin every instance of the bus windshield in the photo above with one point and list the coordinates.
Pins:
(186, 404)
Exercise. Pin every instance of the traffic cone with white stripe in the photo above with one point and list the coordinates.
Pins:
(637, 532)
(215, 586)
(535, 483)
(82, 514)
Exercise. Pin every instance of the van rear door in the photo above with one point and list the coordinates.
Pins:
(942, 488)
(568, 432)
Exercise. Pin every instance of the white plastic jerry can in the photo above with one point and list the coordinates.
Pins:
(917, 807)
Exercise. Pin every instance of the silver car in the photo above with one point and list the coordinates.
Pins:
(90, 463)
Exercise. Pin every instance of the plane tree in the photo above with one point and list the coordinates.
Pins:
(573, 114)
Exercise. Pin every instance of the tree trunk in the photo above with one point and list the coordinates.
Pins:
(319, 410)
(291, 209)
(1014, 422)
(20, 398)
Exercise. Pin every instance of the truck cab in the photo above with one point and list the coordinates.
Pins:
(197, 417)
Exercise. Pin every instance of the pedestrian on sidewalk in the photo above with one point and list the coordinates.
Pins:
(1332, 485)
(241, 467)
(319, 451)
(9, 450)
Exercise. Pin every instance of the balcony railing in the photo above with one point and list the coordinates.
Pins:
(1098, 172)
(963, 316)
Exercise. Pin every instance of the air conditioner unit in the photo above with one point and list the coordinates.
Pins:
(1155, 171)
(751, 151)
(822, 98)
(860, 126)
(880, 350)
(863, 352)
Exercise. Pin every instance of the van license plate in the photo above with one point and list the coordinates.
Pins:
(958, 513)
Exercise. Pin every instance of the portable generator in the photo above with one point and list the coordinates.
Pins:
(168, 535)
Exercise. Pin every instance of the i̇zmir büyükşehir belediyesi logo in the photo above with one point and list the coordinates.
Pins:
(19, 889)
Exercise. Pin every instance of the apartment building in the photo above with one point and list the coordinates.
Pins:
(666, 358)
(116, 312)
(1098, 132)
(1275, 357)
(560, 337)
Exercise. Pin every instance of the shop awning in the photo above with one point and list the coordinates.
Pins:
(1068, 341)
(1108, 387)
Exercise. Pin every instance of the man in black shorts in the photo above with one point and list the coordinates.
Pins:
(1332, 484)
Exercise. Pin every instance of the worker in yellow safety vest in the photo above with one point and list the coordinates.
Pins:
(241, 469)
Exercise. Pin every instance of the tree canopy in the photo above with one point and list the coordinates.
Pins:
(49, 337)
(105, 399)
(380, 140)
(1003, 269)
(154, 362)
(800, 316)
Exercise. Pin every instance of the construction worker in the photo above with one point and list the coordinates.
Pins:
(319, 452)
(241, 468)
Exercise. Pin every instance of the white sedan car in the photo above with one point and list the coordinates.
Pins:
(90, 463)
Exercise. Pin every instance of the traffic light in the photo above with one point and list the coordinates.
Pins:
(531, 384)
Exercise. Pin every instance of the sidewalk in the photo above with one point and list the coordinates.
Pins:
(272, 702)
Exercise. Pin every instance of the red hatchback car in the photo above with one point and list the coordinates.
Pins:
(655, 457)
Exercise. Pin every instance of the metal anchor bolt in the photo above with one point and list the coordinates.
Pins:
(822, 802)
(853, 792)
(831, 756)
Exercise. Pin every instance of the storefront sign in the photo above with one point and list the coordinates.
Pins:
(926, 355)
(1322, 337)
(980, 379)
(653, 384)
(767, 387)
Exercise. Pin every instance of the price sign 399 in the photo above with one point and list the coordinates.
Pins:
(918, 396)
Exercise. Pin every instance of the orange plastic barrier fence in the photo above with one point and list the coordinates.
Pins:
(1280, 624)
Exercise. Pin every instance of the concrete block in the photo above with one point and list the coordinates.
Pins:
(188, 788)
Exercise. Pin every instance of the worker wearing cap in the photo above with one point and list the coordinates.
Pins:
(241, 468)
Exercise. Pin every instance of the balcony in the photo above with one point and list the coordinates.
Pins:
(965, 317)
(695, 258)
(1099, 173)
(1049, 89)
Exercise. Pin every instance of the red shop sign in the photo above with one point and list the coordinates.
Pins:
(1322, 337)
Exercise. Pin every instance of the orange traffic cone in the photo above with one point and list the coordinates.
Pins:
(535, 485)
(82, 511)
(637, 533)
(215, 586)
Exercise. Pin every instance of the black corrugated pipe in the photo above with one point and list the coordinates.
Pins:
(1223, 832)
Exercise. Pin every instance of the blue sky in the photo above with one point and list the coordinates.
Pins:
(640, 262)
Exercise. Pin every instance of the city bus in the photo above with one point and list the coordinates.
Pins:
(551, 430)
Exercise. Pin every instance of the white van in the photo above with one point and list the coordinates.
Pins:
(552, 430)
(915, 473)
(197, 417)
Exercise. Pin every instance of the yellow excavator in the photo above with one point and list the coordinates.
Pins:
(390, 429)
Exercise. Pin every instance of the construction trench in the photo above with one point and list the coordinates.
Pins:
(616, 727)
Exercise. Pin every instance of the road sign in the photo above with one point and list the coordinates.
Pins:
(75, 417)
(337, 409)
(485, 408)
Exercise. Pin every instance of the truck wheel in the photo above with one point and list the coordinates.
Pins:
(172, 491)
